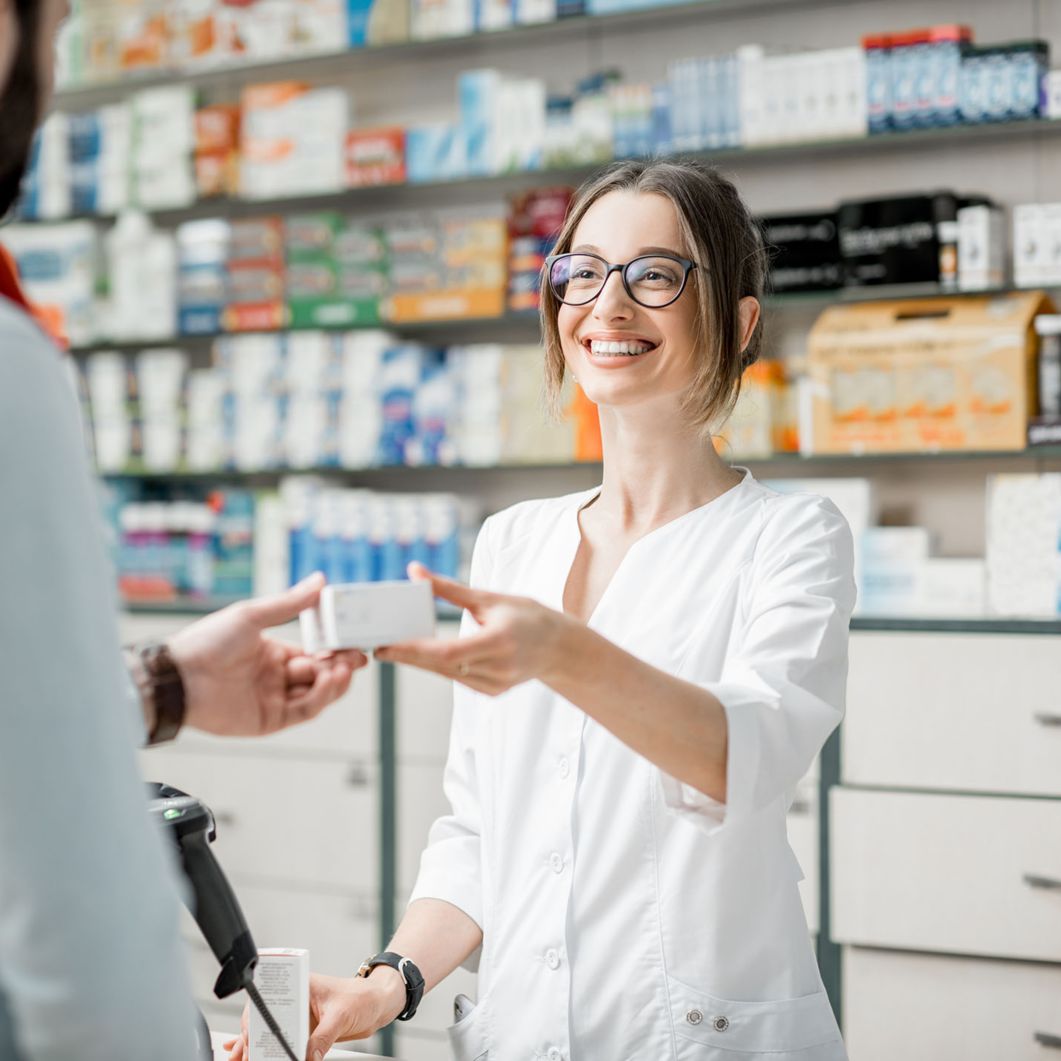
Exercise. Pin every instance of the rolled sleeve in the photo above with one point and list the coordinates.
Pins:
(783, 685)
(451, 864)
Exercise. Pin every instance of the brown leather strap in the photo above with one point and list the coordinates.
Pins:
(166, 692)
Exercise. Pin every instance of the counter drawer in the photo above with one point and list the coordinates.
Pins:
(284, 822)
(966, 712)
(926, 1008)
(956, 874)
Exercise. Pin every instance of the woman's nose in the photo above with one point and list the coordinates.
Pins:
(613, 301)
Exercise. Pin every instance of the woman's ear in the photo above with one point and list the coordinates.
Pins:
(750, 312)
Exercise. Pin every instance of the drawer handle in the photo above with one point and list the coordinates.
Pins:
(357, 776)
(1047, 883)
(1045, 1039)
(1046, 719)
(800, 806)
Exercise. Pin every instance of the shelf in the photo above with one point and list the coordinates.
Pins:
(859, 624)
(789, 460)
(986, 625)
(460, 329)
(473, 46)
(177, 607)
(474, 189)
(521, 324)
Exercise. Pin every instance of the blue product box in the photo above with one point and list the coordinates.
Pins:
(878, 82)
(476, 92)
(997, 86)
(434, 153)
(908, 60)
(973, 86)
(662, 137)
(570, 8)
(1028, 63)
(234, 557)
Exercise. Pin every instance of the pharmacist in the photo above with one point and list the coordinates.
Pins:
(646, 670)
(90, 959)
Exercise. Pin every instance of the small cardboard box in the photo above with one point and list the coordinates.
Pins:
(925, 375)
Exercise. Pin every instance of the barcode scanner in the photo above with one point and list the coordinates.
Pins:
(212, 902)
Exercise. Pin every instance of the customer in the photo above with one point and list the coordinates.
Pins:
(90, 962)
(646, 671)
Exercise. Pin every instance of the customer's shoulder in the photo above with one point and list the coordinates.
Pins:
(19, 334)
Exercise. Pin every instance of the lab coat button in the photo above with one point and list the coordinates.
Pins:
(554, 1054)
(694, 1016)
(721, 1024)
(564, 767)
(552, 959)
(556, 861)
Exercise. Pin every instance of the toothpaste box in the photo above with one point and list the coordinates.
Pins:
(282, 979)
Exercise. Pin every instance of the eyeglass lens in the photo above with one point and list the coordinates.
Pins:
(651, 280)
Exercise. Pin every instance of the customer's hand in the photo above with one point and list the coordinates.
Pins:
(238, 682)
(340, 1008)
(518, 639)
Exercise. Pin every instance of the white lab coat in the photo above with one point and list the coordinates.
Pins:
(626, 915)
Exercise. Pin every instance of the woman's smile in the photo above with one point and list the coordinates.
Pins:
(616, 349)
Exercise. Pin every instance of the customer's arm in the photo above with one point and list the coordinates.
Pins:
(90, 959)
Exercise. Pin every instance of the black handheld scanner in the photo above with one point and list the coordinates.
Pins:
(212, 902)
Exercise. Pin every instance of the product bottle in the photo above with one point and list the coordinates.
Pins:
(1048, 328)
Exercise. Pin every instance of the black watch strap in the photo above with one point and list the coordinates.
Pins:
(414, 981)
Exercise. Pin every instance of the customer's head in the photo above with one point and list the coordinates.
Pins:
(27, 72)
(677, 329)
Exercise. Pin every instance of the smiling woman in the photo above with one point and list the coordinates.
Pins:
(645, 671)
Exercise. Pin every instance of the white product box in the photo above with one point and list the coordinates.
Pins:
(282, 979)
(1029, 244)
(1052, 94)
(953, 588)
(366, 615)
(981, 248)
(893, 561)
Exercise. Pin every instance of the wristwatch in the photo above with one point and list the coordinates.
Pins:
(410, 974)
(161, 689)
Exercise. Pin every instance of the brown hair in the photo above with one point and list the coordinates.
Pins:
(720, 235)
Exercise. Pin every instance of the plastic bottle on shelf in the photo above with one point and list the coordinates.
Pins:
(1048, 328)
(201, 524)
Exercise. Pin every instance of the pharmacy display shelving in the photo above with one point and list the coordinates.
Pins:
(524, 325)
(474, 189)
(343, 60)
(459, 471)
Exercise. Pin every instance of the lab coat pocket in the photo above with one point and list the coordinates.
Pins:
(467, 1038)
(794, 1029)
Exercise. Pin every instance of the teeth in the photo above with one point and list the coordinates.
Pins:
(627, 349)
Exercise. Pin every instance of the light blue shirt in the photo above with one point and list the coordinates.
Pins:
(91, 966)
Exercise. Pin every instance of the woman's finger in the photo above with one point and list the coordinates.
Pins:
(450, 589)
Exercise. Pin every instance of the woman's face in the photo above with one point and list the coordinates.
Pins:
(657, 359)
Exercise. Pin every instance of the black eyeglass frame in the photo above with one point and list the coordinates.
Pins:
(687, 264)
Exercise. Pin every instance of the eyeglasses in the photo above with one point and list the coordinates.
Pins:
(653, 280)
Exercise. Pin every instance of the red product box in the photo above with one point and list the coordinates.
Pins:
(375, 156)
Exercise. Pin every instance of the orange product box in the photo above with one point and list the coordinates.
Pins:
(375, 156)
(217, 127)
(925, 374)
(451, 304)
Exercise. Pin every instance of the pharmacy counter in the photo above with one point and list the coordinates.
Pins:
(333, 1055)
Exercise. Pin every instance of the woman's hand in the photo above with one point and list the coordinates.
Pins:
(518, 639)
(340, 1008)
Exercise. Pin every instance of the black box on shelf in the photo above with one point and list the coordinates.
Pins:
(1044, 431)
(804, 252)
(894, 241)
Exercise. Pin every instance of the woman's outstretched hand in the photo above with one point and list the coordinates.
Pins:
(518, 639)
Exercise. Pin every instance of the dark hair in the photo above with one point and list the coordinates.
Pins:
(720, 235)
(20, 104)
